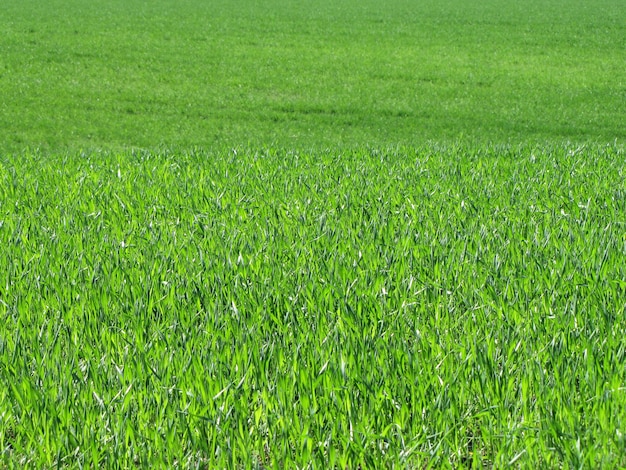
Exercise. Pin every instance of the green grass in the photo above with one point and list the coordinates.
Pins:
(441, 306)
(82, 75)
(324, 234)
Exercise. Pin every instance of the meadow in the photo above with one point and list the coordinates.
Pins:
(312, 235)
(78, 75)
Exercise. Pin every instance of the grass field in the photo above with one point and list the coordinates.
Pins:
(319, 234)
(324, 73)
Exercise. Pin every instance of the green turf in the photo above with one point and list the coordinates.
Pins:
(322, 234)
(77, 74)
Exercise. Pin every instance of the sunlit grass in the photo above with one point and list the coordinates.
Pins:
(412, 306)
(312, 234)
(317, 74)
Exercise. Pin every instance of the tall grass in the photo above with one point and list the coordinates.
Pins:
(417, 307)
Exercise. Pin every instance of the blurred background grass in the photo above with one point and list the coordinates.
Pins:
(77, 74)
